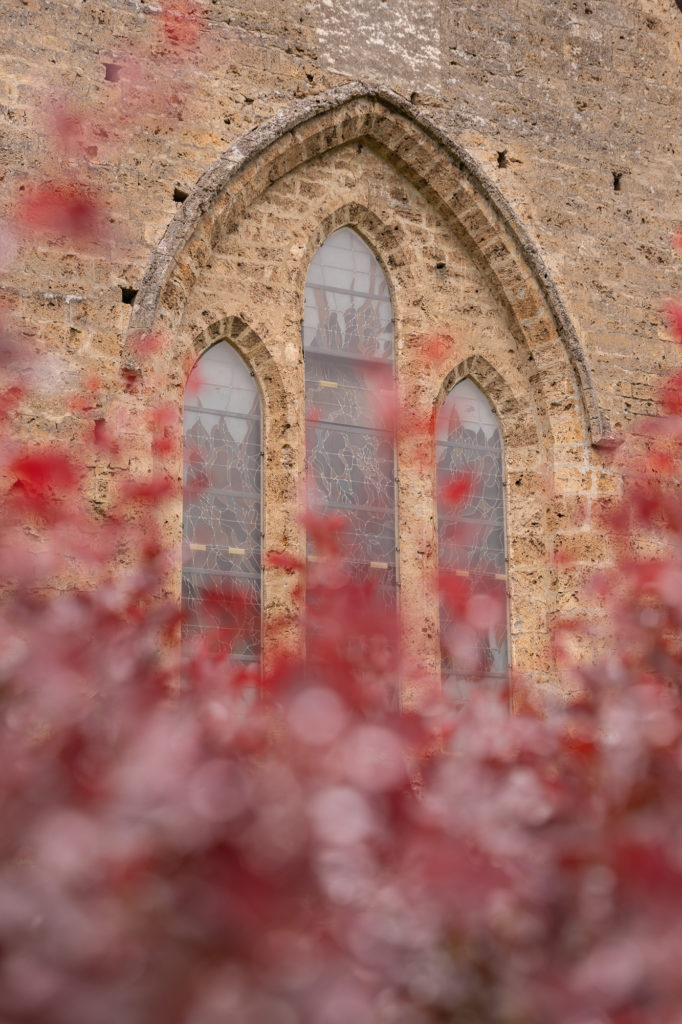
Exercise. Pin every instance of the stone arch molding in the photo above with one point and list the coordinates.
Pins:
(388, 247)
(254, 352)
(517, 425)
(275, 401)
(444, 172)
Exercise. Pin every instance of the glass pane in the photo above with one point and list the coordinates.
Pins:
(224, 611)
(353, 468)
(471, 541)
(348, 345)
(347, 390)
(347, 303)
(221, 579)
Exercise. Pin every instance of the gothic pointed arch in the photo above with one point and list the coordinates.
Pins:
(516, 424)
(250, 347)
(386, 243)
(233, 263)
(448, 177)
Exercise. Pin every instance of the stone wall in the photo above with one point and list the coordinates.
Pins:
(513, 168)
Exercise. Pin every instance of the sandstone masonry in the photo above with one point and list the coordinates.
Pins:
(513, 167)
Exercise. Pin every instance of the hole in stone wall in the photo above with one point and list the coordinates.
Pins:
(502, 158)
(112, 72)
(617, 175)
(440, 265)
(128, 295)
(179, 194)
(309, 77)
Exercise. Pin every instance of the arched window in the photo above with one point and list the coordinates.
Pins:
(221, 575)
(471, 541)
(348, 350)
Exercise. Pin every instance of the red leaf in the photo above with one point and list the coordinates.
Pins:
(436, 347)
(181, 23)
(283, 560)
(671, 393)
(455, 492)
(649, 867)
(9, 400)
(673, 313)
(65, 208)
(45, 472)
(154, 490)
(146, 343)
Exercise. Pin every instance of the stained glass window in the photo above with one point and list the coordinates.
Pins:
(471, 541)
(221, 575)
(348, 347)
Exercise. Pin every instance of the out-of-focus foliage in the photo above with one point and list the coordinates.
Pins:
(185, 852)
(175, 849)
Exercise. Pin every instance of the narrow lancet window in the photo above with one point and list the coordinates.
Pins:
(471, 542)
(221, 575)
(348, 348)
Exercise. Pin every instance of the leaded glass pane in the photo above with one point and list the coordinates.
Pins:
(348, 346)
(221, 576)
(471, 542)
(347, 303)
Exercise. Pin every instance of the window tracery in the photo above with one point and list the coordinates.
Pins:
(349, 380)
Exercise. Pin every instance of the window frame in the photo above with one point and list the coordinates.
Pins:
(386, 277)
(255, 663)
(453, 381)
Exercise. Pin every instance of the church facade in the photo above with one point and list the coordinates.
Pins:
(459, 195)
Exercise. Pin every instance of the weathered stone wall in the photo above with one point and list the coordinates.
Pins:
(484, 178)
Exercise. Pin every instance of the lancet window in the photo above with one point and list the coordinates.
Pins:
(471, 541)
(221, 575)
(349, 379)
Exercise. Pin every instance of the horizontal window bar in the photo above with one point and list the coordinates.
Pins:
(337, 428)
(225, 491)
(222, 413)
(188, 570)
(314, 287)
(347, 357)
(218, 547)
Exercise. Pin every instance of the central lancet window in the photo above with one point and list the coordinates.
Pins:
(349, 382)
